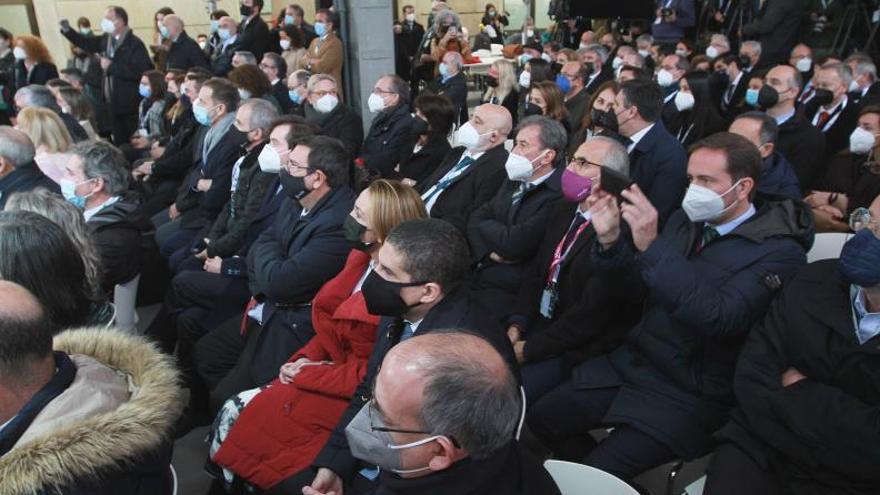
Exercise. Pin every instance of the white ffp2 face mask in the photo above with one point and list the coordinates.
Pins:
(376, 103)
(519, 168)
(326, 103)
(702, 204)
(684, 101)
(861, 141)
(269, 160)
(665, 78)
(468, 137)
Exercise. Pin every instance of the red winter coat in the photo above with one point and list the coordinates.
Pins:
(284, 427)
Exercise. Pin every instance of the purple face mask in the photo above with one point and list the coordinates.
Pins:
(575, 188)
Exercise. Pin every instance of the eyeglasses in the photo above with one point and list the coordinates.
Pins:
(382, 91)
(291, 166)
(582, 162)
(267, 66)
(371, 408)
(321, 94)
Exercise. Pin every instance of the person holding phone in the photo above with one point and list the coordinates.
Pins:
(448, 38)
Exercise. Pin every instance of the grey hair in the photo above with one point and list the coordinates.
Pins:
(865, 67)
(249, 57)
(645, 38)
(71, 220)
(398, 86)
(616, 158)
(769, 131)
(103, 160)
(36, 95)
(280, 63)
(444, 15)
(263, 114)
(843, 72)
(314, 79)
(457, 58)
(754, 45)
(682, 63)
(301, 76)
(596, 48)
(552, 135)
(175, 19)
(466, 398)
(16, 146)
(720, 39)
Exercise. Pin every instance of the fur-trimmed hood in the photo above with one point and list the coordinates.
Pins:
(102, 444)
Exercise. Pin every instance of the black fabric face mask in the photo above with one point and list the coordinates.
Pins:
(823, 97)
(245, 10)
(419, 126)
(354, 234)
(383, 297)
(295, 187)
(767, 97)
(606, 120)
(532, 109)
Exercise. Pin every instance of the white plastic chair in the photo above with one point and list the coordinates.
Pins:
(173, 478)
(827, 246)
(577, 479)
(125, 301)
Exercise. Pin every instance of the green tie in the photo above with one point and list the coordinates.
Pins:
(709, 235)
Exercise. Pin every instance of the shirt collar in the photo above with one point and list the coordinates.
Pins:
(867, 325)
(540, 180)
(635, 138)
(726, 228)
(781, 119)
(88, 214)
(841, 105)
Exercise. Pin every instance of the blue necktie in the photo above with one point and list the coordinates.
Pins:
(449, 178)
(408, 331)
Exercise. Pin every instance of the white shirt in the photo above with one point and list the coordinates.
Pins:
(88, 214)
(732, 87)
(430, 192)
(835, 112)
(867, 324)
(784, 117)
(363, 278)
(635, 138)
(726, 228)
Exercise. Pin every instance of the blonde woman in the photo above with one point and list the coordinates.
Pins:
(502, 87)
(50, 138)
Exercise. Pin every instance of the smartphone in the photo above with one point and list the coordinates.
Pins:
(453, 30)
(614, 182)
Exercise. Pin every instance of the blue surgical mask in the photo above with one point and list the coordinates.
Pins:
(201, 114)
(164, 31)
(320, 28)
(68, 190)
(288, 20)
(444, 70)
(215, 25)
(144, 90)
(752, 97)
(563, 83)
(295, 97)
(224, 34)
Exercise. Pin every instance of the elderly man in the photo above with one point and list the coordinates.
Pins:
(807, 386)
(452, 83)
(324, 110)
(718, 45)
(391, 129)
(58, 406)
(41, 97)
(471, 173)
(124, 59)
(184, 52)
(865, 89)
(454, 404)
(297, 91)
(96, 180)
(750, 54)
(594, 57)
(561, 317)
(665, 407)
(801, 143)
(423, 264)
(18, 171)
(505, 232)
(835, 117)
(672, 69)
(243, 58)
(228, 34)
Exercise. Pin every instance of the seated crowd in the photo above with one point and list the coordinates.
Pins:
(604, 261)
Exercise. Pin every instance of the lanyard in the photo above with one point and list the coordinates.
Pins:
(559, 256)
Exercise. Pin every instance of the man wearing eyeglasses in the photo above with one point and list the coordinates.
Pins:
(390, 130)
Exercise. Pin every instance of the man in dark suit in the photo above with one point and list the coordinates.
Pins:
(472, 172)
(594, 58)
(424, 298)
(838, 117)
(657, 160)
(573, 76)
(865, 89)
(18, 172)
(505, 232)
(799, 141)
(296, 15)
(229, 36)
(124, 59)
(288, 264)
(390, 131)
(206, 189)
(452, 83)
(561, 315)
(664, 405)
(672, 68)
(776, 27)
(408, 35)
(275, 68)
(184, 52)
(41, 97)
(253, 32)
(733, 93)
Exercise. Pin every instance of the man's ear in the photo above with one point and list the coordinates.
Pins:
(431, 292)
(445, 455)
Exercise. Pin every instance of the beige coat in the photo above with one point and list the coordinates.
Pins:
(325, 60)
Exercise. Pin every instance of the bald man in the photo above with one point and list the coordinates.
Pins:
(471, 173)
(450, 396)
(228, 34)
(62, 427)
(184, 52)
(452, 83)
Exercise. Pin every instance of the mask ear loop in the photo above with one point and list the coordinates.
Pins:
(522, 415)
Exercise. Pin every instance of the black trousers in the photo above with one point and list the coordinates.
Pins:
(732, 471)
(220, 360)
(123, 127)
(563, 418)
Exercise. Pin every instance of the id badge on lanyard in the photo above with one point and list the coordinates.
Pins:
(550, 294)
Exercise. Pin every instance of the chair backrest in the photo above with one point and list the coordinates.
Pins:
(125, 301)
(576, 479)
(174, 479)
(827, 246)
